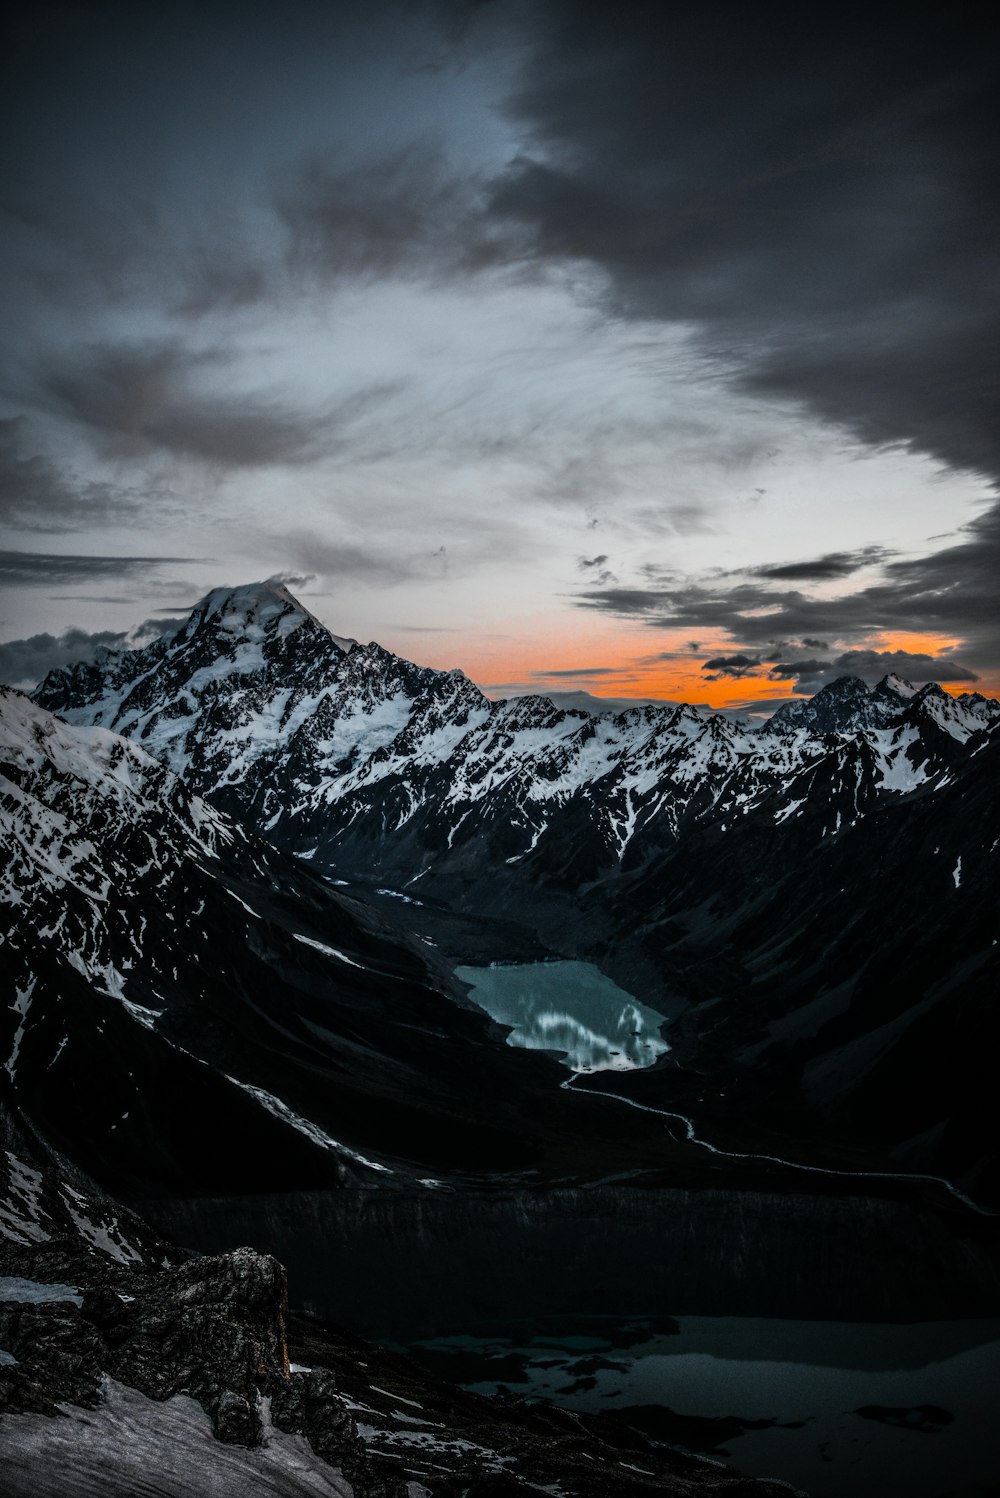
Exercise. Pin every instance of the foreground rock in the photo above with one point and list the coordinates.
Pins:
(128, 1368)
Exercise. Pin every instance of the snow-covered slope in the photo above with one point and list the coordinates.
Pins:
(163, 967)
(347, 754)
(253, 682)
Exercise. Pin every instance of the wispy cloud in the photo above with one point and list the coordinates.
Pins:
(43, 568)
(140, 398)
(575, 671)
(36, 495)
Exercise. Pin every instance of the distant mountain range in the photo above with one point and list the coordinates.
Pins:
(348, 755)
(813, 901)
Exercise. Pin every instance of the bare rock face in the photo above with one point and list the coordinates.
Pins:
(56, 1358)
(213, 1328)
(309, 1404)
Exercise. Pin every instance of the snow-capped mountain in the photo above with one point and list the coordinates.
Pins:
(254, 699)
(816, 892)
(348, 755)
(171, 980)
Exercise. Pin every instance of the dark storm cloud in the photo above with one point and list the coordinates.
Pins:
(814, 189)
(917, 666)
(804, 671)
(43, 569)
(815, 194)
(871, 666)
(25, 662)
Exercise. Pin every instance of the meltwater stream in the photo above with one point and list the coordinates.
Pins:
(571, 1007)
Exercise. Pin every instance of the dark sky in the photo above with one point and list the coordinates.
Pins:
(646, 348)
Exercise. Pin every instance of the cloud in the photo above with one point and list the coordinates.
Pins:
(872, 665)
(579, 671)
(814, 193)
(732, 665)
(834, 565)
(42, 568)
(597, 568)
(217, 278)
(351, 561)
(36, 496)
(139, 398)
(406, 214)
(23, 663)
(808, 674)
(950, 592)
(293, 580)
(151, 629)
(763, 706)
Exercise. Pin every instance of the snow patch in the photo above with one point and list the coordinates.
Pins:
(307, 941)
(131, 1444)
(35, 1293)
(304, 1125)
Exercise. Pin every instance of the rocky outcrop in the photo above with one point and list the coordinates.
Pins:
(105, 1373)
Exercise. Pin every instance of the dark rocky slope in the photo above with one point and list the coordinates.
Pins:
(843, 981)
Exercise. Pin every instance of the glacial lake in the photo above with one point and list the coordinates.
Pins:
(569, 1007)
(841, 1410)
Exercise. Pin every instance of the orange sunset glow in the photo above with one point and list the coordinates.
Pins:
(618, 663)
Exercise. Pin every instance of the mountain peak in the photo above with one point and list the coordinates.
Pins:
(897, 684)
(257, 609)
(842, 687)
